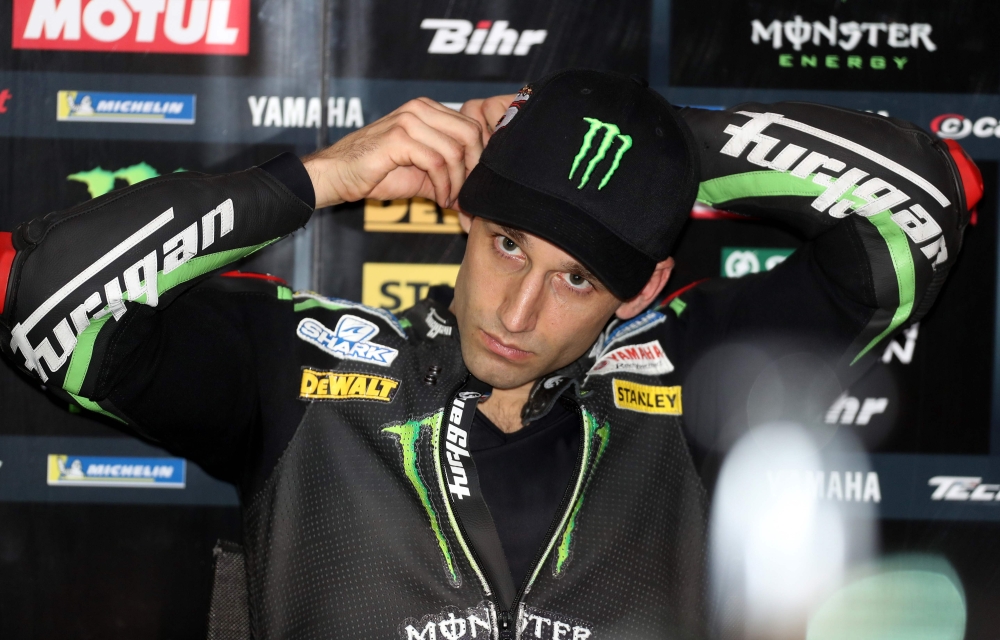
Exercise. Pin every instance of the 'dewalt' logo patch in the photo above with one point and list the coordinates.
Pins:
(647, 398)
(344, 385)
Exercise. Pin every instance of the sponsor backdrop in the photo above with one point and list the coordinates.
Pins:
(102, 535)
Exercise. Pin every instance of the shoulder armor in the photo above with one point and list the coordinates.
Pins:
(305, 300)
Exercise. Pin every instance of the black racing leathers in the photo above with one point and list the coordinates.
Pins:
(337, 422)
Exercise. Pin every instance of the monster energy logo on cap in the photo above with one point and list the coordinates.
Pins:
(611, 133)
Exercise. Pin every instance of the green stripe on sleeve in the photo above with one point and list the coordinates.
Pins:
(90, 405)
(84, 352)
(754, 184)
(906, 278)
(79, 362)
(203, 264)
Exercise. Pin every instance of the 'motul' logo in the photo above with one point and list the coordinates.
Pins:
(220, 27)
(611, 133)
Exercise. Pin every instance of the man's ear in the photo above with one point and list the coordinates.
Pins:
(465, 221)
(630, 308)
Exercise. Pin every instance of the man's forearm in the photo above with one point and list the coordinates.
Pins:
(76, 274)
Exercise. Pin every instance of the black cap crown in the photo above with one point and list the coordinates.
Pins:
(596, 163)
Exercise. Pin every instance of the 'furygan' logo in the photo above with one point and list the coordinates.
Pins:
(144, 281)
(457, 446)
(343, 385)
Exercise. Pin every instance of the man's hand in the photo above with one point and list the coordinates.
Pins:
(421, 149)
(487, 112)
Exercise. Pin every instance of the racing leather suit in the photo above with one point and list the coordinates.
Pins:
(341, 425)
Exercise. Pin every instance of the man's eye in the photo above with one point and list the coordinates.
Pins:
(577, 281)
(509, 246)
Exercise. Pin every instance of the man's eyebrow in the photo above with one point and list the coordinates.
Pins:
(516, 235)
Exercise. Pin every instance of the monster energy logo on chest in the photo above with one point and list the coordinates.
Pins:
(611, 133)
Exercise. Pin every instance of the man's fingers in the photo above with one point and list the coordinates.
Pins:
(435, 104)
(494, 108)
(451, 150)
(421, 135)
(487, 112)
(404, 150)
(474, 109)
(467, 131)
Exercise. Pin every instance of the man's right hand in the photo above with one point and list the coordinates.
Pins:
(421, 149)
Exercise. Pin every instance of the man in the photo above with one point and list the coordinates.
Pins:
(508, 459)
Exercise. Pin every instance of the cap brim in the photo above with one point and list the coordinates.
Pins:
(620, 267)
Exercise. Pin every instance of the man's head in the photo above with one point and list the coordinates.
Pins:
(525, 307)
(573, 210)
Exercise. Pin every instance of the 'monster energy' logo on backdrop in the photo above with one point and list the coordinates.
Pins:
(875, 45)
(220, 27)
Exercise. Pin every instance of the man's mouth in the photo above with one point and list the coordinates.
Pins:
(505, 351)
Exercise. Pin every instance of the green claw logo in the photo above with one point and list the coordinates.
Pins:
(595, 431)
(611, 133)
(407, 435)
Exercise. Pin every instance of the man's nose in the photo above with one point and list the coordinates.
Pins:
(519, 311)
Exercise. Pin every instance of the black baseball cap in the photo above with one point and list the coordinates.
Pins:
(596, 163)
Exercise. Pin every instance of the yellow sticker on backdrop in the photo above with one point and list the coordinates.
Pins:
(397, 286)
(413, 215)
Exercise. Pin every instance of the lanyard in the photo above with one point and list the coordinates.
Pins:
(464, 491)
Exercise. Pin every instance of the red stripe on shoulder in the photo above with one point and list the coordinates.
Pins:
(6, 262)
(972, 179)
(701, 212)
(256, 276)
(682, 290)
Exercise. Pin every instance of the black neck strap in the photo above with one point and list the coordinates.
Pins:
(464, 492)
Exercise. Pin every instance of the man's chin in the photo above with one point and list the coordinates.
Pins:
(500, 378)
(499, 375)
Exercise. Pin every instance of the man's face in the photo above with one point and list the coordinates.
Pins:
(524, 306)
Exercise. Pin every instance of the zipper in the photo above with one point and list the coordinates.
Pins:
(558, 521)
(505, 617)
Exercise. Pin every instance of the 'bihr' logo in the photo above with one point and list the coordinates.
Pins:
(487, 39)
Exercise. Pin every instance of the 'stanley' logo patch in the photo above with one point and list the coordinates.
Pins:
(646, 359)
(646, 398)
(345, 385)
(348, 341)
